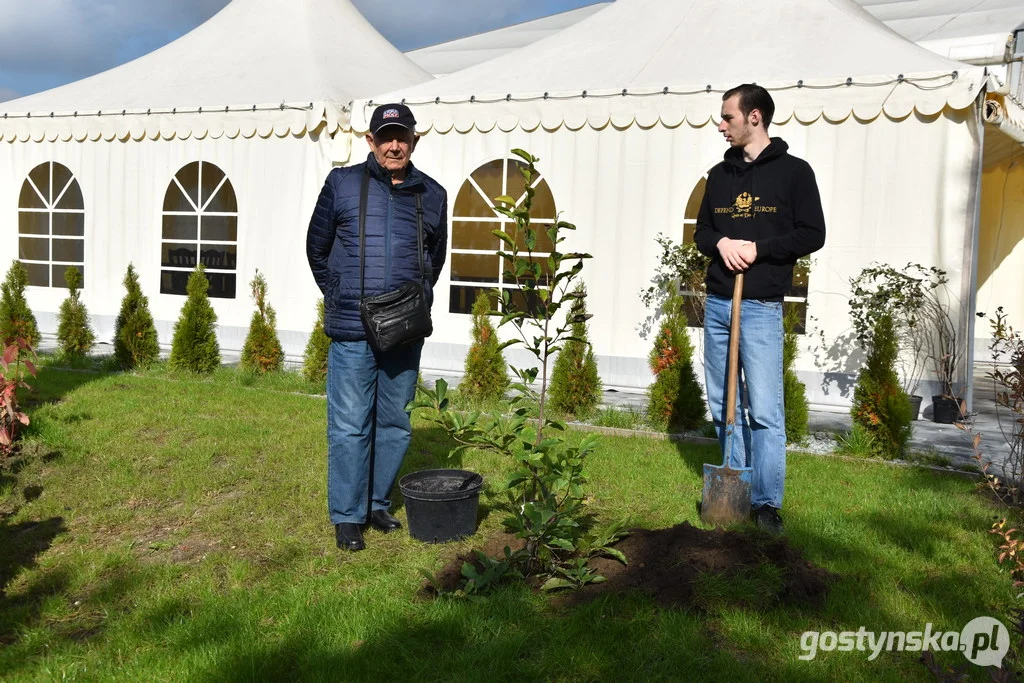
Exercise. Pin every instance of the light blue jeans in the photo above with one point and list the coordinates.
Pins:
(364, 454)
(760, 436)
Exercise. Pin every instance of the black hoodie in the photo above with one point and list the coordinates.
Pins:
(772, 201)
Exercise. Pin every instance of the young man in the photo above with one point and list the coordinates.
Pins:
(761, 212)
(368, 430)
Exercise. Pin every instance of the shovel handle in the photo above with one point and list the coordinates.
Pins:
(734, 351)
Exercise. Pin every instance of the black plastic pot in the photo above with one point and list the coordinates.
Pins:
(441, 505)
(947, 410)
(915, 405)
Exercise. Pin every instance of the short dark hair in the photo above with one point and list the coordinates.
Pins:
(753, 97)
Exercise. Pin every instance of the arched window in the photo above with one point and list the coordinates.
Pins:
(475, 265)
(693, 294)
(51, 225)
(796, 297)
(200, 221)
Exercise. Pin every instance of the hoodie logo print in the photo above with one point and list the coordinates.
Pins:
(746, 206)
(743, 204)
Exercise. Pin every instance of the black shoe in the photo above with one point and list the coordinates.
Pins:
(349, 536)
(384, 521)
(768, 518)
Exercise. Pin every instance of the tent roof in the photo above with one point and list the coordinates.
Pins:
(921, 20)
(456, 55)
(820, 56)
(260, 53)
(959, 29)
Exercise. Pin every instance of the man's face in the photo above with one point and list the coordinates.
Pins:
(737, 128)
(393, 146)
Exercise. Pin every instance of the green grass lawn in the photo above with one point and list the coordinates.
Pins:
(175, 528)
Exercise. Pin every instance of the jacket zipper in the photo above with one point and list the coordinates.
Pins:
(387, 240)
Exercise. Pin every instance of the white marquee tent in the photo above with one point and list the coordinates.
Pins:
(214, 147)
(211, 148)
(966, 30)
(622, 109)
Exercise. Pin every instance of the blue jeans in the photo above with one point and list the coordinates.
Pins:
(364, 451)
(760, 437)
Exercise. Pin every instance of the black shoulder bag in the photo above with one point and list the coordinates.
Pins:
(400, 316)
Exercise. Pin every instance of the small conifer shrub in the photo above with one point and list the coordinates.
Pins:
(575, 382)
(486, 373)
(194, 347)
(675, 401)
(16, 319)
(880, 406)
(794, 392)
(262, 351)
(75, 336)
(135, 338)
(314, 360)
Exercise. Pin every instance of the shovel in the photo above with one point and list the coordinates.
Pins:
(726, 497)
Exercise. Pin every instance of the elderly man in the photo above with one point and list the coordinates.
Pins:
(761, 212)
(368, 429)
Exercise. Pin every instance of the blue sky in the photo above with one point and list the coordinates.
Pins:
(47, 43)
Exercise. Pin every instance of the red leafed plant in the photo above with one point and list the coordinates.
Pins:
(1010, 550)
(14, 366)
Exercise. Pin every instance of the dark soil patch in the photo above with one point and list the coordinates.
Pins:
(667, 564)
(442, 482)
(449, 578)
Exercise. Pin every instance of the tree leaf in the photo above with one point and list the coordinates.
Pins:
(525, 156)
(504, 237)
(557, 583)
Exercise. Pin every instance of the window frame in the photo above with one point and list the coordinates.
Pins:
(499, 222)
(178, 273)
(51, 207)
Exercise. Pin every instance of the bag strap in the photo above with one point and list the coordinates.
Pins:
(419, 234)
(364, 192)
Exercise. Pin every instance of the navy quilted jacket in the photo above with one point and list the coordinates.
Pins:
(332, 241)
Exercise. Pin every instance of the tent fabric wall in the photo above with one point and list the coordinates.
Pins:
(893, 190)
(1001, 244)
(276, 181)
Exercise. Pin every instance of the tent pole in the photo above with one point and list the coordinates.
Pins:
(969, 285)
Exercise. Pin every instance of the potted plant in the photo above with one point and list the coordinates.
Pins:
(911, 363)
(908, 295)
(945, 350)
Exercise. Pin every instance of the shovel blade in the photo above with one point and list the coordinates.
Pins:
(726, 497)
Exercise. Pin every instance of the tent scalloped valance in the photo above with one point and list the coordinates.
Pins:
(265, 121)
(895, 97)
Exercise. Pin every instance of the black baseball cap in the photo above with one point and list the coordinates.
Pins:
(392, 115)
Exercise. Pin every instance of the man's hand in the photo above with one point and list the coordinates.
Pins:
(748, 252)
(738, 255)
